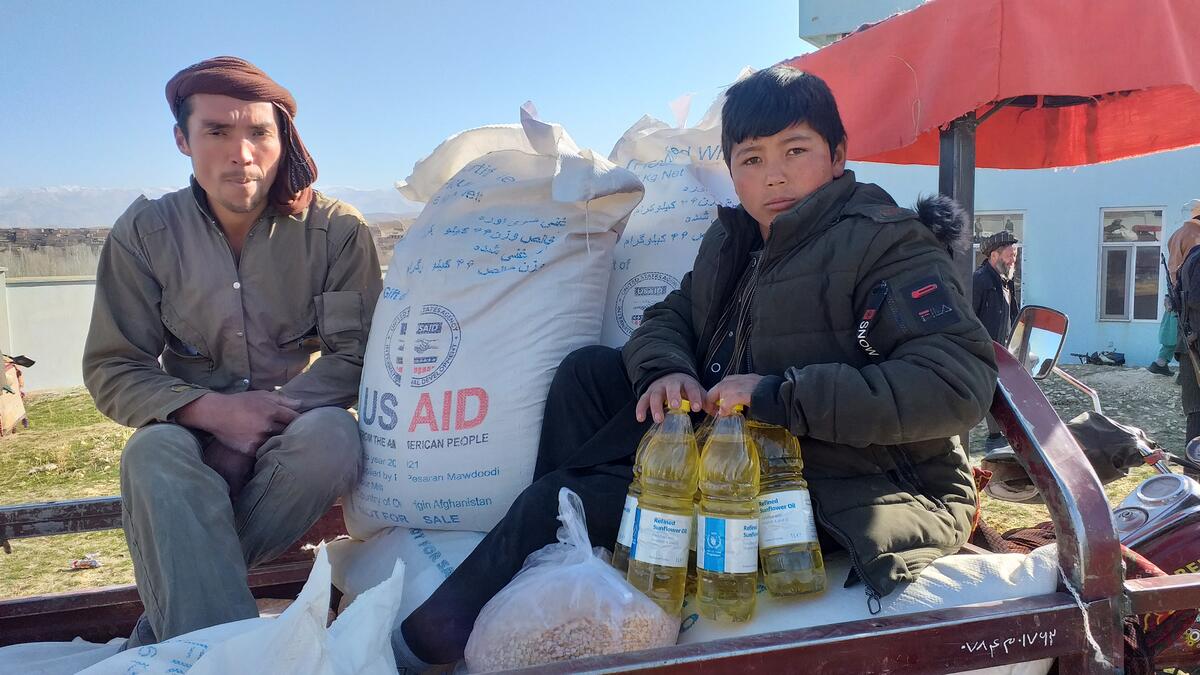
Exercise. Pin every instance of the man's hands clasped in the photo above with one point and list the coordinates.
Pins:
(240, 424)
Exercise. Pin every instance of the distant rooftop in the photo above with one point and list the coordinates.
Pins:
(825, 21)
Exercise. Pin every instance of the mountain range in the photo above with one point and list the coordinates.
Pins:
(70, 207)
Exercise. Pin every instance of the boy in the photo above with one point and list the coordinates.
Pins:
(818, 304)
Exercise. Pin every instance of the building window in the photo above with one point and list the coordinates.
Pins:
(1130, 245)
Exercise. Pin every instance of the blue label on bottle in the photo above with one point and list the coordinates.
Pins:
(637, 521)
(730, 545)
(714, 544)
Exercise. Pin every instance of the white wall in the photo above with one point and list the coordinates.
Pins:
(48, 321)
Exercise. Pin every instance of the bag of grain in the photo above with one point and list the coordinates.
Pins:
(686, 179)
(566, 602)
(502, 275)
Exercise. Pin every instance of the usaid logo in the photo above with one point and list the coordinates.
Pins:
(427, 355)
(641, 292)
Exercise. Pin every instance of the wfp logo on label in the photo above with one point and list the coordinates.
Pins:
(639, 293)
(714, 544)
(428, 352)
(714, 541)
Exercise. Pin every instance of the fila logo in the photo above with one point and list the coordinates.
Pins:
(934, 312)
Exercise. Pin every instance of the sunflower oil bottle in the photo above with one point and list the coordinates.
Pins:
(789, 554)
(727, 524)
(620, 557)
(663, 525)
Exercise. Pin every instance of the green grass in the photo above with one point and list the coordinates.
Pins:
(70, 451)
(40, 566)
(1006, 516)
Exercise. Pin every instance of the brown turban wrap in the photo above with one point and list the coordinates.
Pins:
(240, 79)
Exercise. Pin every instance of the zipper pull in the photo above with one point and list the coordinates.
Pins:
(874, 606)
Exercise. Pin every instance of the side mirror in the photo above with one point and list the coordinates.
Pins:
(1038, 338)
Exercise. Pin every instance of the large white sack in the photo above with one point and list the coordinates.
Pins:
(686, 178)
(295, 643)
(501, 276)
(56, 658)
(950, 581)
(430, 556)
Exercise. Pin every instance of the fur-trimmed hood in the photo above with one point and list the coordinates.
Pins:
(947, 220)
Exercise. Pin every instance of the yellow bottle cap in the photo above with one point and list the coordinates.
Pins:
(685, 405)
(737, 408)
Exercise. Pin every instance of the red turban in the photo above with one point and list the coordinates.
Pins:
(240, 79)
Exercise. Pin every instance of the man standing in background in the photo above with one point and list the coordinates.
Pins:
(994, 297)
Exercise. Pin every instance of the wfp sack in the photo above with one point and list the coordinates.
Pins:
(684, 172)
(501, 276)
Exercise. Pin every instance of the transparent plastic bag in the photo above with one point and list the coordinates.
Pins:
(566, 602)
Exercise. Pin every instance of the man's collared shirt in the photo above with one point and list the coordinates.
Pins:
(168, 287)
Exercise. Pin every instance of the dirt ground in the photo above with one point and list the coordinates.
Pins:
(1133, 396)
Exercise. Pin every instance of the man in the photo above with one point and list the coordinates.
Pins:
(994, 298)
(211, 303)
(820, 305)
(1178, 247)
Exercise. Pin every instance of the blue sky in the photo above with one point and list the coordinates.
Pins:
(379, 84)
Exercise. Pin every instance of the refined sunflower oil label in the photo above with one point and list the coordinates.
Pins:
(727, 545)
(661, 538)
(785, 518)
(628, 514)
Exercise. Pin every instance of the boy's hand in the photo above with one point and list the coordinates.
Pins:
(669, 390)
(731, 391)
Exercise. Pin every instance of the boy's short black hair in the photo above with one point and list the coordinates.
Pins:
(774, 99)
